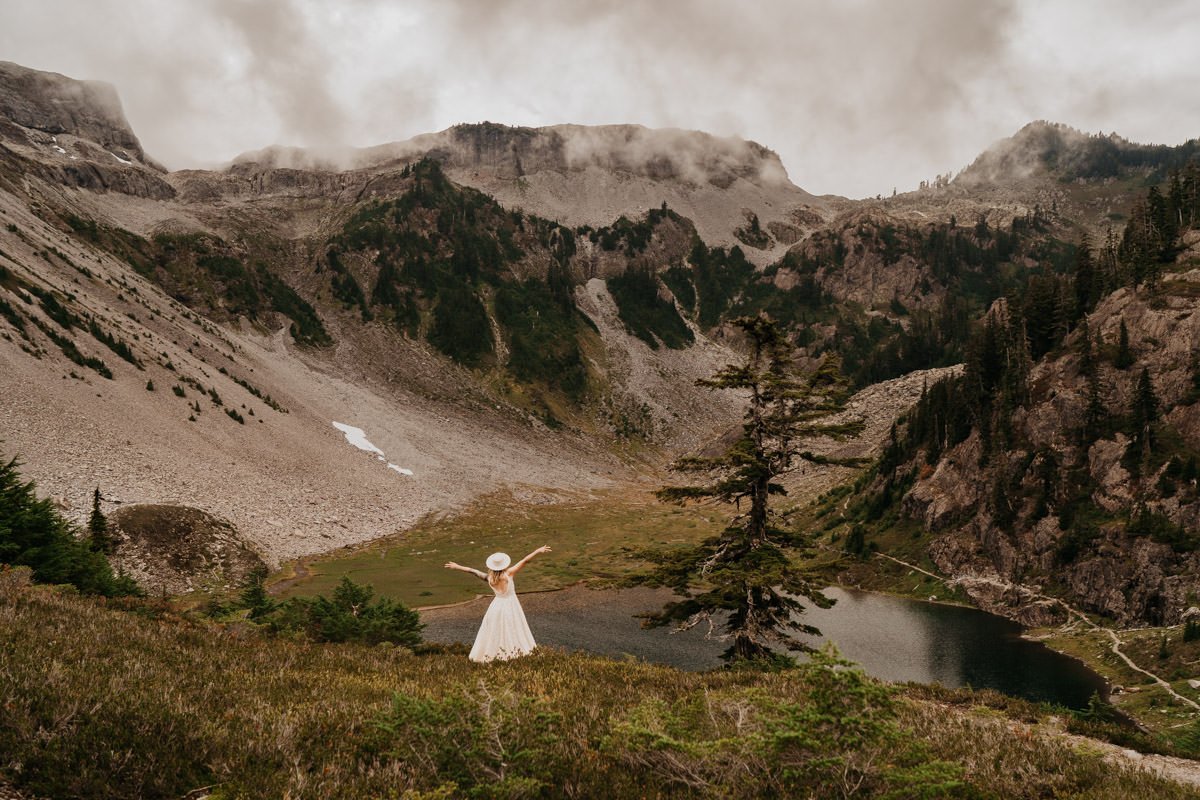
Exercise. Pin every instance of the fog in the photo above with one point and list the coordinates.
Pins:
(857, 97)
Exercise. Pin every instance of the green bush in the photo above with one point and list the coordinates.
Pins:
(349, 616)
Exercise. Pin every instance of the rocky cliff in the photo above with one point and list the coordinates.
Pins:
(1085, 488)
(55, 104)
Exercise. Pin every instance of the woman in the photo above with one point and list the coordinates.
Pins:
(504, 633)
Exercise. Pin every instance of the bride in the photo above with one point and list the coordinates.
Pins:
(504, 633)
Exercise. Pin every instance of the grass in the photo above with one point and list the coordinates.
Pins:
(902, 539)
(589, 535)
(135, 700)
(1142, 699)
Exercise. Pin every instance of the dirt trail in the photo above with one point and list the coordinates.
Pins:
(300, 573)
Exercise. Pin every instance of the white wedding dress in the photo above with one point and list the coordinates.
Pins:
(504, 633)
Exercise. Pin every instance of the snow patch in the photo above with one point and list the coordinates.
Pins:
(118, 158)
(358, 438)
(59, 149)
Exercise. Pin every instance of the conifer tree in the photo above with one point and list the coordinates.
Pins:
(1143, 414)
(1095, 414)
(254, 594)
(1087, 353)
(34, 534)
(1124, 359)
(745, 570)
(1086, 289)
(101, 539)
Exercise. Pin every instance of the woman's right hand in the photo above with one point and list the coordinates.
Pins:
(450, 565)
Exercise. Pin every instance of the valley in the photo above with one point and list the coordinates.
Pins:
(341, 363)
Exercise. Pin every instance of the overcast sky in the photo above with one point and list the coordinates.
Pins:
(857, 96)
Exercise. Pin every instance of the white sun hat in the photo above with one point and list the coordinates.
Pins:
(498, 561)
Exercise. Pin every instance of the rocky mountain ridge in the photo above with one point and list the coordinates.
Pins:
(499, 309)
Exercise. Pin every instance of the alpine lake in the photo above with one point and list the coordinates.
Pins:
(595, 540)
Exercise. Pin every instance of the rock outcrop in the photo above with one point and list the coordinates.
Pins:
(176, 549)
(55, 104)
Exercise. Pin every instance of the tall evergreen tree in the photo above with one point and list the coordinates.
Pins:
(1143, 414)
(1086, 284)
(102, 540)
(1124, 359)
(745, 570)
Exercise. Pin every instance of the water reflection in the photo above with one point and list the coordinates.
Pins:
(891, 638)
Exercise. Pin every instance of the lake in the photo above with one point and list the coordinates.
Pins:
(892, 638)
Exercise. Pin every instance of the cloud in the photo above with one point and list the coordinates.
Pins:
(856, 96)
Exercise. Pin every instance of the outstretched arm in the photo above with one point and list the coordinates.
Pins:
(515, 568)
(461, 568)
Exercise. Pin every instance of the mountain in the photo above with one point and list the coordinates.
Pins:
(580, 175)
(497, 309)
(1086, 182)
(263, 303)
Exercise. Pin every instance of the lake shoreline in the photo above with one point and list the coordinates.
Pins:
(892, 637)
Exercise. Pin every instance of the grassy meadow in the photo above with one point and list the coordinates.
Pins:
(591, 537)
(134, 699)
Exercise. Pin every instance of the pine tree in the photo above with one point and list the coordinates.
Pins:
(1096, 415)
(102, 541)
(1143, 414)
(1086, 292)
(1124, 359)
(1087, 353)
(34, 534)
(745, 570)
(254, 594)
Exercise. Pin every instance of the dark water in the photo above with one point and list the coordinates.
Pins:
(890, 637)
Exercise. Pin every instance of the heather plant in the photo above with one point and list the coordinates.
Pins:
(99, 702)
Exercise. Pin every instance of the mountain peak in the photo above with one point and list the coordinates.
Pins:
(55, 104)
(1052, 149)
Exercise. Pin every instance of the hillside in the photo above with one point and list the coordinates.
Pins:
(172, 698)
(1064, 458)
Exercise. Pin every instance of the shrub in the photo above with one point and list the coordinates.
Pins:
(349, 616)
